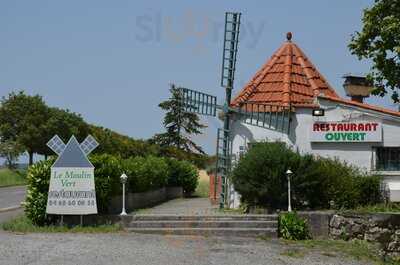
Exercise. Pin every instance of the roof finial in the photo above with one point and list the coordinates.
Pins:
(289, 36)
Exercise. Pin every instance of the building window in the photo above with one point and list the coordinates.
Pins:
(388, 158)
(242, 151)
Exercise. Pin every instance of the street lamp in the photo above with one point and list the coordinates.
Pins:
(288, 174)
(123, 178)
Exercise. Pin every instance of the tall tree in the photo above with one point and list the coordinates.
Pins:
(23, 119)
(179, 124)
(379, 41)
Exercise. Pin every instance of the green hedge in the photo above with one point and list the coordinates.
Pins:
(183, 174)
(145, 174)
(107, 172)
(317, 183)
(38, 178)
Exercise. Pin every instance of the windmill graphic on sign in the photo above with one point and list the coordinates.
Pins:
(268, 116)
(72, 188)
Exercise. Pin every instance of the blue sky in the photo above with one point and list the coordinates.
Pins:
(112, 61)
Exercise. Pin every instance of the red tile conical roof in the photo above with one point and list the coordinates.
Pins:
(288, 78)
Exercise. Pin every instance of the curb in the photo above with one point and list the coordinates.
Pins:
(12, 208)
(13, 185)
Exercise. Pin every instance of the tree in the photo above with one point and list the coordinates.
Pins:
(23, 119)
(180, 125)
(10, 150)
(379, 41)
(120, 145)
(65, 124)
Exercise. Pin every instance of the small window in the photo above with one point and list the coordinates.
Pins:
(388, 158)
(242, 151)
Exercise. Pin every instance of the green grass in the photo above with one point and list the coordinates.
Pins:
(10, 177)
(203, 188)
(357, 249)
(390, 207)
(22, 224)
(294, 253)
(230, 211)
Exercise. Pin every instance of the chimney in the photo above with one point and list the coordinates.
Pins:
(357, 87)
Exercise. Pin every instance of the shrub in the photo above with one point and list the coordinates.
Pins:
(369, 190)
(317, 182)
(146, 173)
(324, 181)
(107, 172)
(260, 175)
(184, 174)
(38, 178)
(292, 227)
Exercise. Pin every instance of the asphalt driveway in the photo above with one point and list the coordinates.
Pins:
(12, 196)
(10, 202)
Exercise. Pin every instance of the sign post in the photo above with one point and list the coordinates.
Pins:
(72, 189)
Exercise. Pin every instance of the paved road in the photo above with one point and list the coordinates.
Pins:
(184, 206)
(12, 196)
(5, 216)
(129, 248)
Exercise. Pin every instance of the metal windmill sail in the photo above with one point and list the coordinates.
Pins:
(268, 116)
(58, 146)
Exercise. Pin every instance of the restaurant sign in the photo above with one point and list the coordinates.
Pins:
(72, 190)
(346, 132)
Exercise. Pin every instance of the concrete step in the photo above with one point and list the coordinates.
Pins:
(203, 224)
(239, 232)
(161, 217)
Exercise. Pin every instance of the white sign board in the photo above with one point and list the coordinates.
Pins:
(346, 132)
(72, 188)
(72, 191)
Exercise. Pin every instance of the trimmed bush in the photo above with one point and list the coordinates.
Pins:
(317, 183)
(107, 172)
(146, 173)
(292, 227)
(183, 174)
(260, 175)
(370, 190)
(38, 178)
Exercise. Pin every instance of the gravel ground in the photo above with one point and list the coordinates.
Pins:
(129, 248)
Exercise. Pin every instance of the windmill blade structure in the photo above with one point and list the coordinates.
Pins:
(89, 144)
(56, 144)
(267, 116)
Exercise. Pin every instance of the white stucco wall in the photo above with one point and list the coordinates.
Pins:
(358, 154)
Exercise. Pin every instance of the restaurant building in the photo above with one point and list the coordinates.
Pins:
(321, 122)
